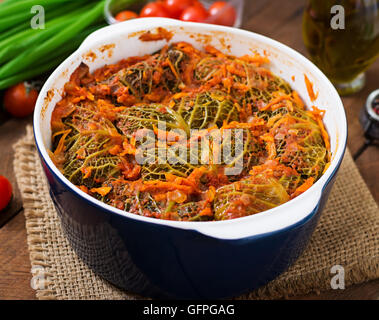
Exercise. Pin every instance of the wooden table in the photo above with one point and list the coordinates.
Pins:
(276, 19)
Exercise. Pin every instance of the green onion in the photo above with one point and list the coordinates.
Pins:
(39, 36)
(25, 52)
(30, 56)
(29, 32)
(5, 3)
(14, 30)
(53, 60)
(9, 22)
(12, 24)
(22, 36)
(15, 7)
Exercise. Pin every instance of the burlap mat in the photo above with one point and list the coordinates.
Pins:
(347, 235)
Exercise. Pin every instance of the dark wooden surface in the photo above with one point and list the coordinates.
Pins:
(280, 20)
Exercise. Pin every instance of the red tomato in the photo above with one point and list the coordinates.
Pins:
(5, 192)
(154, 9)
(176, 7)
(221, 12)
(20, 100)
(126, 15)
(195, 13)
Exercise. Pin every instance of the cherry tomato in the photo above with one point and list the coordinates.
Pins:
(176, 7)
(5, 192)
(195, 13)
(126, 15)
(221, 12)
(154, 9)
(20, 100)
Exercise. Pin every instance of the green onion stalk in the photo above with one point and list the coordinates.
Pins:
(26, 53)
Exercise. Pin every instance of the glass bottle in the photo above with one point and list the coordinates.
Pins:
(342, 38)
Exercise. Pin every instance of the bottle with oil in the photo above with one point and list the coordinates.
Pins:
(342, 38)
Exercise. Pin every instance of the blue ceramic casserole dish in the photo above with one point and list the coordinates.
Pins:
(174, 259)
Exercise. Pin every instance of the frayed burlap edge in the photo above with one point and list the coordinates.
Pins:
(348, 235)
(24, 164)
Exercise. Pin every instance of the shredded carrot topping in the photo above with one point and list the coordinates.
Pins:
(103, 191)
(309, 86)
(188, 134)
